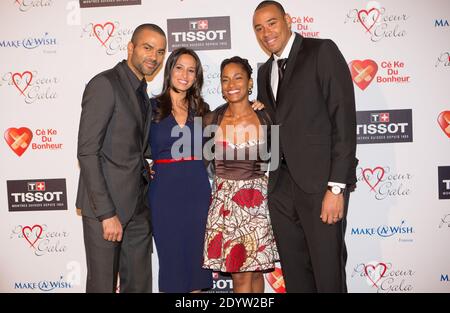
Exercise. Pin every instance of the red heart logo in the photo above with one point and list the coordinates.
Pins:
(276, 280)
(444, 122)
(373, 274)
(32, 236)
(366, 14)
(18, 139)
(363, 72)
(17, 79)
(101, 33)
(368, 179)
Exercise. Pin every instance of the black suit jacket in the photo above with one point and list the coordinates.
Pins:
(112, 147)
(316, 114)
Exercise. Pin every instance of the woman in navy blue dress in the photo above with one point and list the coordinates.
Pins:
(180, 191)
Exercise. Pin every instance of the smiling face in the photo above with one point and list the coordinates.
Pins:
(183, 73)
(272, 28)
(235, 83)
(146, 55)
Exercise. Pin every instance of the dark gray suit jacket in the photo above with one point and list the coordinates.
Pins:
(112, 147)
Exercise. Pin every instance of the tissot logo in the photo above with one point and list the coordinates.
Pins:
(37, 195)
(384, 126)
(221, 284)
(202, 33)
(444, 182)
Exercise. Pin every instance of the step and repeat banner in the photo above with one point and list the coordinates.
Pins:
(398, 53)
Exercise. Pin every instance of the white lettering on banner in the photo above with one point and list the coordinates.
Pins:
(199, 35)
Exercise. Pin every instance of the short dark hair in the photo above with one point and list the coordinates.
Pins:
(264, 4)
(152, 27)
(237, 60)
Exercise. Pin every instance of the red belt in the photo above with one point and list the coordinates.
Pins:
(176, 160)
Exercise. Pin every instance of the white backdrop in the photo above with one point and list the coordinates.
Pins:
(399, 220)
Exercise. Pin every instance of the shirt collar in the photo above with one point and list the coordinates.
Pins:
(134, 80)
(287, 49)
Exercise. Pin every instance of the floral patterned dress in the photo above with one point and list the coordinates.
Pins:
(239, 236)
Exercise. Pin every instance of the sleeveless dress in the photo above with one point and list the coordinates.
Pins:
(179, 197)
(239, 235)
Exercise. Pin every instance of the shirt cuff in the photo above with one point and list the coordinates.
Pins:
(103, 217)
(331, 184)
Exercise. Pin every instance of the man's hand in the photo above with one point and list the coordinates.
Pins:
(332, 208)
(112, 229)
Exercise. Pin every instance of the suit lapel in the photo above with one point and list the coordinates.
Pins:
(290, 65)
(130, 93)
(268, 75)
(148, 121)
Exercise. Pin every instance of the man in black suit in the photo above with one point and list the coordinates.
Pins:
(307, 85)
(112, 152)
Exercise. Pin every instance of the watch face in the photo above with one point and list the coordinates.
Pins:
(336, 190)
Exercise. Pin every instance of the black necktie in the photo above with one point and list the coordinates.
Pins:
(143, 97)
(281, 67)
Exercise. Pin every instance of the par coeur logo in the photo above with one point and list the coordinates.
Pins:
(41, 239)
(103, 32)
(383, 182)
(22, 80)
(32, 234)
(384, 277)
(32, 85)
(108, 35)
(444, 122)
(378, 22)
(368, 18)
(375, 273)
(27, 5)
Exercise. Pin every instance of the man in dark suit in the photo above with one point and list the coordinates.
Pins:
(112, 152)
(307, 86)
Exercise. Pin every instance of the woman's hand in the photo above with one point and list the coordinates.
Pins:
(258, 106)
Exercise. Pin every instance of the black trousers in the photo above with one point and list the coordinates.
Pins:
(131, 258)
(312, 254)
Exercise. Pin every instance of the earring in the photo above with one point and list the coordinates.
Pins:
(225, 98)
(250, 90)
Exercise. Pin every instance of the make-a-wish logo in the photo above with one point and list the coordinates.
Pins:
(441, 23)
(41, 239)
(110, 36)
(383, 277)
(385, 231)
(26, 5)
(32, 85)
(443, 60)
(46, 41)
(44, 285)
(377, 22)
(383, 182)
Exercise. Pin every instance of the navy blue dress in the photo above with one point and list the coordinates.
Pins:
(179, 198)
